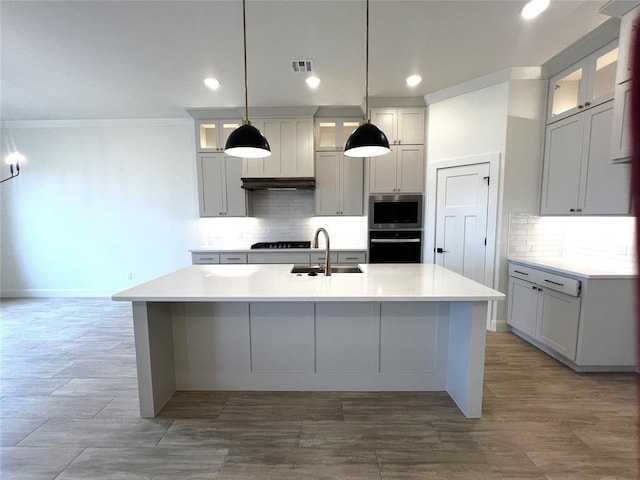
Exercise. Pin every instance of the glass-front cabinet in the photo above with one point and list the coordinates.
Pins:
(211, 135)
(332, 133)
(583, 85)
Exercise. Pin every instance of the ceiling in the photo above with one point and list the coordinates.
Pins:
(148, 59)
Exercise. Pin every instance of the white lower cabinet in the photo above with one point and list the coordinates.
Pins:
(589, 324)
(559, 316)
(315, 257)
(549, 316)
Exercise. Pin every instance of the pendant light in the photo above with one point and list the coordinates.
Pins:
(367, 140)
(246, 141)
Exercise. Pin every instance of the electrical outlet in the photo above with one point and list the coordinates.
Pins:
(129, 276)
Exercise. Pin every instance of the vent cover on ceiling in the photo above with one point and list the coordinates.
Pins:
(302, 66)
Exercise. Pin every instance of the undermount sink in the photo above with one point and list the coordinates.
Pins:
(317, 270)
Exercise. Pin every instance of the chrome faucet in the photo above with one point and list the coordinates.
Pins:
(327, 264)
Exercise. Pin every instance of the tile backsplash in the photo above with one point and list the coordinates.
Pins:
(282, 215)
(531, 235)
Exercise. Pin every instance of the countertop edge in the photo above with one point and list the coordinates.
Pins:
(551, 264)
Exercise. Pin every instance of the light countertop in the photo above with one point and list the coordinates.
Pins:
(271, 283)
(584, 267)
(248, 249)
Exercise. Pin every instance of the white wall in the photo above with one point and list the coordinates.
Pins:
(505, 118)
(469, 124)
(97, 200)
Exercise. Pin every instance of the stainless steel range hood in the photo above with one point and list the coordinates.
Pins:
(290, 183)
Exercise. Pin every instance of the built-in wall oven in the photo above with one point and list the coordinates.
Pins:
(395, 228)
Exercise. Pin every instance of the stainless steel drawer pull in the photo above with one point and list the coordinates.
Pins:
(233, 258)
(351, 258)
(555, 283)
(521, 273)
(206, 258)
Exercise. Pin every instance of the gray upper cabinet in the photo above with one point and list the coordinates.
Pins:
(211, 135)
(219, 190)
(583, 85)
(331, 134)
(291, 142)
(578, 177)
(339, 184)
(620, 133)
(402, 126)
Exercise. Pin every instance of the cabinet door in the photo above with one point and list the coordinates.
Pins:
(558, 326)
(602, 79)
(410, 168)
(291, 142)
(211, 135)
(327, 193)
(567, 91)
(620, 126)
(211, 185)
(562, 160)
(628, 24)
(410, 126)
(235, 196)
(523, 306)
(351, 185)
(382, 173)
(386, 119)
(332, 134)
(605, 184)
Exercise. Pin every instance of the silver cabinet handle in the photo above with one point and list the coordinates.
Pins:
(554, 283)
(394, 240)
(521, 273)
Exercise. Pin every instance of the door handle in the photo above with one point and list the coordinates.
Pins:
(440, 250)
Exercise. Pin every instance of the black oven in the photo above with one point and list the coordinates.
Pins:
(395, 246)
(395, 212)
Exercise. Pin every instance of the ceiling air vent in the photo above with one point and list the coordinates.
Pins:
(302, 66)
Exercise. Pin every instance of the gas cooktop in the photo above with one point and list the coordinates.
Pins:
(287, 244)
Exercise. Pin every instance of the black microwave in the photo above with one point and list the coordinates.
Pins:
(395, 212)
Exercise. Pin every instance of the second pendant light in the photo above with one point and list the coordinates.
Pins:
(367, 140)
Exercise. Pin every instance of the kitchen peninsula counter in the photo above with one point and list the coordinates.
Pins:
(413, 327)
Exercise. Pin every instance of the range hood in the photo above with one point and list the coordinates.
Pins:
(289, 183)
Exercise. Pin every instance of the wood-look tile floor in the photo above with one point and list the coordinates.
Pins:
(69, 410)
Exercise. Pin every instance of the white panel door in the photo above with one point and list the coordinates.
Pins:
(462, 198)
(327, 191)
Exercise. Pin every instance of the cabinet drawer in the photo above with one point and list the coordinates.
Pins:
(319, 257)
(233, 258)
(204, 258)
(352, 257)
(524, 273)
(279, 257)
(567, 285)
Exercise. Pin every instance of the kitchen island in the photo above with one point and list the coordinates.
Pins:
(409, 327)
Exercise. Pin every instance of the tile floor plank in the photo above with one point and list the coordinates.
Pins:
(69, 411)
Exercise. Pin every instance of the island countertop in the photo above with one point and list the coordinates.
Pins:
(275, 283)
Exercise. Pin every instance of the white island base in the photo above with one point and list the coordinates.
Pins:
(335, 346)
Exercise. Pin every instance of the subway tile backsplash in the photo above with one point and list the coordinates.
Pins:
(531, 235)
(282, 215)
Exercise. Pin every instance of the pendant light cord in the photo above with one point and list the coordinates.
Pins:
(366, 76)
(246, 95)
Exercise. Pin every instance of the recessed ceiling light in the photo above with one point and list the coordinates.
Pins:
(14, 158)
(212, 83)
(414, 80)
(534, 8)
(313, 82)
